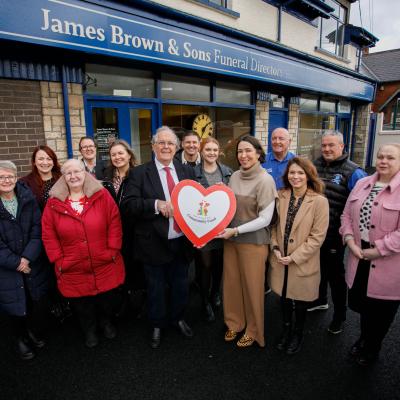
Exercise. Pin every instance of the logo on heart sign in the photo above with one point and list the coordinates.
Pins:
(202, 213)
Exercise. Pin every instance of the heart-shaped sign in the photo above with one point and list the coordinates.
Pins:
(202, 213)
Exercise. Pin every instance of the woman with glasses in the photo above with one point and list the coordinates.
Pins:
(95, 166)
(82, 235)
(23, 280)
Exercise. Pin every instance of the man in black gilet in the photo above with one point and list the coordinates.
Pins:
(340, 176)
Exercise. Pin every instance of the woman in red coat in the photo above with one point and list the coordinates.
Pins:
(82, 235)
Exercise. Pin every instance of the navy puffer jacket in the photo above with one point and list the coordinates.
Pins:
(21, 237)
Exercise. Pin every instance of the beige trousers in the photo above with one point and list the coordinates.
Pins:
(243, 288)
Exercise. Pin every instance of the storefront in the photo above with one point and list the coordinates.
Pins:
(122, 71)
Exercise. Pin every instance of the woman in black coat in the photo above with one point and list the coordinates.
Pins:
(116, 176)
(23, 281)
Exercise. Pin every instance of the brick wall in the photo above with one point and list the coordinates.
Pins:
(362, 129)
(54, 120)
(262, 117)
(21, 126)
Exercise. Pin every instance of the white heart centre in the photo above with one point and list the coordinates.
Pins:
(202, 213)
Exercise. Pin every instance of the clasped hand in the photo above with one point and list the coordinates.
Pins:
(366, 254)
(165, 208)
(283, 260)
(24, 266)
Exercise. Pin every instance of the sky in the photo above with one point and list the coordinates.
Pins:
(382, 19)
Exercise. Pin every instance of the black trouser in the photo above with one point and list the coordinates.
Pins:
(175, 275)
(299, 306)
(209, 271)
(300, 312)
(93, 309)
(376, 315)
(35, 318)
(332, 271)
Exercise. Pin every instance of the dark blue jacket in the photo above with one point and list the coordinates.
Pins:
(21, 237)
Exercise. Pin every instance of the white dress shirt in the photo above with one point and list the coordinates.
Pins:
(172, 234)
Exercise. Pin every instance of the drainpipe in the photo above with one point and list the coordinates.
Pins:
(279, 23)
(353, 138)
(66, 112)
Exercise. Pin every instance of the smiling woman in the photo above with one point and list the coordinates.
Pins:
(20, 263)
(82, 235)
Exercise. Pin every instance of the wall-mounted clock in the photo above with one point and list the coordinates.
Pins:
(203, 126)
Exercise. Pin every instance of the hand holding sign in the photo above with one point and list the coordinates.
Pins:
(202, 213)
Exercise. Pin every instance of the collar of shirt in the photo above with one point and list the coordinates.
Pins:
(184, 161)
(162, 166)
(271, 157)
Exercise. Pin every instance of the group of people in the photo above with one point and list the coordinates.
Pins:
(97, 234)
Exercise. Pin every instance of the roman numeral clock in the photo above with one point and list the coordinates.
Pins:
(203, 126)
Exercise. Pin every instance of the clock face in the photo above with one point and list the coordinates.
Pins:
(203, 126)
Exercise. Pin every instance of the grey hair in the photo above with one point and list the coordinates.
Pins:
(337, 134)
(396, 145)
(78, 162)
(5, 164)
(167, 129)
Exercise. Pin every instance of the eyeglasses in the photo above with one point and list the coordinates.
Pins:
(162, 143)
(72, 173)
(88, 147)
(10, 178)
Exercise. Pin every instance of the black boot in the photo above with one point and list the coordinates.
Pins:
(285, 337)
(24, 350)
(91, 339)
(36, 340)
(295, 342)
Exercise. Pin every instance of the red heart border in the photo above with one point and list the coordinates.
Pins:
(196, 240)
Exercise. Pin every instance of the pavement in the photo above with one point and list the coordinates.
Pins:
(203, 368)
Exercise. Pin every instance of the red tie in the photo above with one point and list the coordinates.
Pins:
(171, 185)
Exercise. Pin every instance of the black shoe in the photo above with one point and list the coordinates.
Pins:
(336, 327)
(24, 351)
(109, 330)
(318, 305)
(285, 337)
(91, 339)
(365, 359)
(36, 341)
(155, 338)
(295, 343)
(357, 347)
(184, 328)
(209, 313)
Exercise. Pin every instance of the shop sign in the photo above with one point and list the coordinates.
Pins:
(91, 28)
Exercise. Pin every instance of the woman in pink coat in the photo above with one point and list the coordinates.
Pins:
(371, 230)
(82, 235)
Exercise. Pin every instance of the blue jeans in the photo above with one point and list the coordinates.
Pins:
(175, 275)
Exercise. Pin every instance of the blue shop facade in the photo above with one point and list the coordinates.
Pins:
(120, 69)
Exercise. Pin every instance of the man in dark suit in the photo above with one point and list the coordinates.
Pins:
(158, 241)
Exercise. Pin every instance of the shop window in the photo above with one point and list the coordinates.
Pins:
(174, 87)
(311, 128)
(116, 81)
(228, 125)
(308, 103)
(232, 93)
(327, 106)
(391, 115)
(332, 29)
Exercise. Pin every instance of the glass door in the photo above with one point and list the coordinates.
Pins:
(133, 122)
